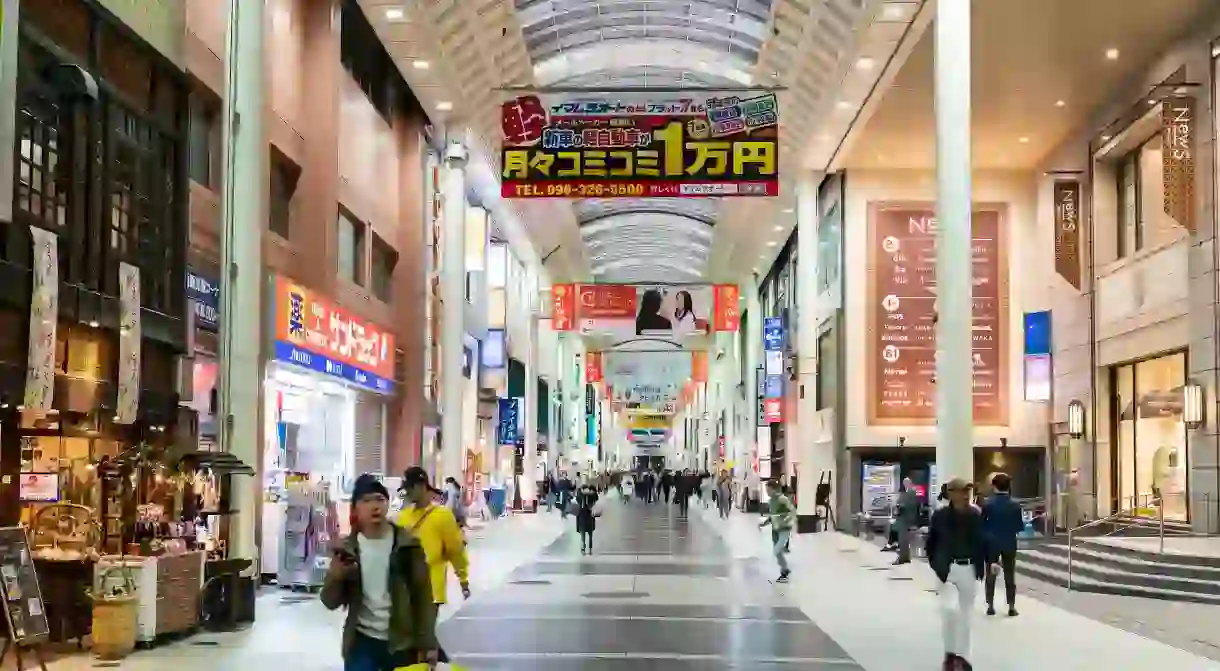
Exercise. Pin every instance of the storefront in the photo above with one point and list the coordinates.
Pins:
(324, 413)
(1149, 460)
(203, 297)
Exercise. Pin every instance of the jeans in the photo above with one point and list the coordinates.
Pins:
(956, 602)
(1008, 563)
(371, 654)
(779, 540)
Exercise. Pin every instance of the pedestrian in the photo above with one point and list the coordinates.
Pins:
(724, 494)
(781, 515)
(438, 532)
(957, 553)
(379, 573)
(906, 520)
(1002, 521)
(586, 517)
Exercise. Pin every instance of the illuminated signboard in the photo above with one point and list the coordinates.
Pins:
(634, 144)
(311, 333)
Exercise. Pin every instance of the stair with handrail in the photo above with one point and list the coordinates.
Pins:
(1084, 561)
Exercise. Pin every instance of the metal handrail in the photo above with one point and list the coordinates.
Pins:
(1122, 512)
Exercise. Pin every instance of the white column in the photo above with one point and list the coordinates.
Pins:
(241, 317)
(954, 378)
(528, 481)
(753, 338)
(813, 459)
(453, 295)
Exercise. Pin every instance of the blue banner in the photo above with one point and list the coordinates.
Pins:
(289, 353)
(773, 334)
(507, 433)
(1038, 333)
(203, 294)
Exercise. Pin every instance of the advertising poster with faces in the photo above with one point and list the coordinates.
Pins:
(24, 612)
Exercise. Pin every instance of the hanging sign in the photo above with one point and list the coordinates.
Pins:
(593, 367)
(1067, 231)
(727, 308)
(508, 421)
(44, 317)
(1178, 160)
(773, 334)
(129, 344)
(203, 294)
(563, 307)
(637, 144)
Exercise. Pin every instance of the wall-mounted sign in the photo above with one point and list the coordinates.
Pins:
(1067, 231)
(593, 367)
(609, 144)
(203, 293)
(563, 307)
(493, 354)
(1178, 160)
(313, 334)
(727, 308)
(775, 386)
(774, 361)
(760, 394)
(773, 410)
(507, 433)
(773, 334)
(902, 314)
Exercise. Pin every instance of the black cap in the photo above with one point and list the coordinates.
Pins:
(416, 476)
(368, 484)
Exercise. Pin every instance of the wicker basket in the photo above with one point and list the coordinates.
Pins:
(115, 620)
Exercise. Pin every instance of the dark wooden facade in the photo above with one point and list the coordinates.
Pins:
(109, 177)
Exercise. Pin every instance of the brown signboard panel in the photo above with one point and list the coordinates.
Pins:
(901, 355)
(1067, 231)
(1178, 160)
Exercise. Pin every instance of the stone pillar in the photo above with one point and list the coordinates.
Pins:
(954, 367)
(453, 298)
(814, 460)
(527, 483)
(753, 336)
(241, 317)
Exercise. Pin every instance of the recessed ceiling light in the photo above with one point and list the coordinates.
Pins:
(893, 11)
(865, 64)
(1060, 103)
(420, 65)
(1111, 54)
(394, 14)
(788, 210)
(93, 324)
(772, 243)
(843, 105)
(1105, 138)
(779, 228)
(1151, 101)
(444, 106)
(1023, 140)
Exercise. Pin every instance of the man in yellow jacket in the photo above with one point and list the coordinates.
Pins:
(438, 531)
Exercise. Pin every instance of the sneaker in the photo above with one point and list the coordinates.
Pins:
(783, 577)
(990, 609)
(1012, 611)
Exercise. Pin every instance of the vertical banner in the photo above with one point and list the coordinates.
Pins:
(590, 415)
(1067, 231)
(760, 394)
(1178, 160)
(44, 316)
(698, 366)
(726, 307)
(508, 421)
(563, 307)
(593, 367)
(129, 344)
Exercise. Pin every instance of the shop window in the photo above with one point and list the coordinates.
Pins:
(1148, 464)
(204, 148)
(828, 370)
(1142, 221)
(1130, 224)
(384, 258)
(284, 177)
(829, 239)
(351, 233)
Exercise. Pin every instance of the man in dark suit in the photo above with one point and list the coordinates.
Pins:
(1002, 521)
(906, 520)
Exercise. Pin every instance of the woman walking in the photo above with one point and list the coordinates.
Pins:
(586, 517)
(724, 494)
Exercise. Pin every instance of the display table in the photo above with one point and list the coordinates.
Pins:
(65, 593)
(167, 587)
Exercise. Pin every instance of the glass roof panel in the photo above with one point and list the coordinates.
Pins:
(645, 77)
(626, 56)
(591, 210)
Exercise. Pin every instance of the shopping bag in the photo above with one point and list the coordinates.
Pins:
(423, 666)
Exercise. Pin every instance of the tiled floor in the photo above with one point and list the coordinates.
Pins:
(887, 617)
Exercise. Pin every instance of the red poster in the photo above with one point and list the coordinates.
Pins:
(773, 410)
(727, 308)
(563, 310)
(593, 367)
(698, 366)
(607, 301)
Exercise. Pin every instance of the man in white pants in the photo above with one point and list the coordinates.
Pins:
(957, 553)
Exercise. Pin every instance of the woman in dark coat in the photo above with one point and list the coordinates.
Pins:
(586, 518)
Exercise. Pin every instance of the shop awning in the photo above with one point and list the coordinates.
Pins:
(221, 463)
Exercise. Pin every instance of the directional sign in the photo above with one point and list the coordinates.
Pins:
(773, 334)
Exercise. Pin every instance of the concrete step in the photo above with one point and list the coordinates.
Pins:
(1098, 571)
(1080, 583)
(1110, 557)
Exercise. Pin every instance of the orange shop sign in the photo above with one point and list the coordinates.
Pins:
(563, 307)
(312, 333)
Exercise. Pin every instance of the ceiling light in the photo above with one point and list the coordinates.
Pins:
(394, 14)
(1105, 138)
(444, 106)
(1111, 54)
(865, 64)
(772, 243)
(893, 11)
(93, 324)
(843, 105)
(1151, 101)
(421, 65)
(1023, 140)
(779, 228)
(788, 210)
(1060, 103)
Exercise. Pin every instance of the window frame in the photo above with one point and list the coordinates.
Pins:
(382, 253)
(359, 247)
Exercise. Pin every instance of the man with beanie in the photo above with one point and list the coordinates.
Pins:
(380, 574)
(438, 532)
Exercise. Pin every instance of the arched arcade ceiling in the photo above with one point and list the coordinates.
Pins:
(475, 48)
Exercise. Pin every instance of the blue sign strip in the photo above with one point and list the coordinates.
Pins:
(508, 421)
(203, 293)
(773, 334)
(775, 386)
(297, 356)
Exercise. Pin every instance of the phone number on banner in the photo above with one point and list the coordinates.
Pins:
(600, 189)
